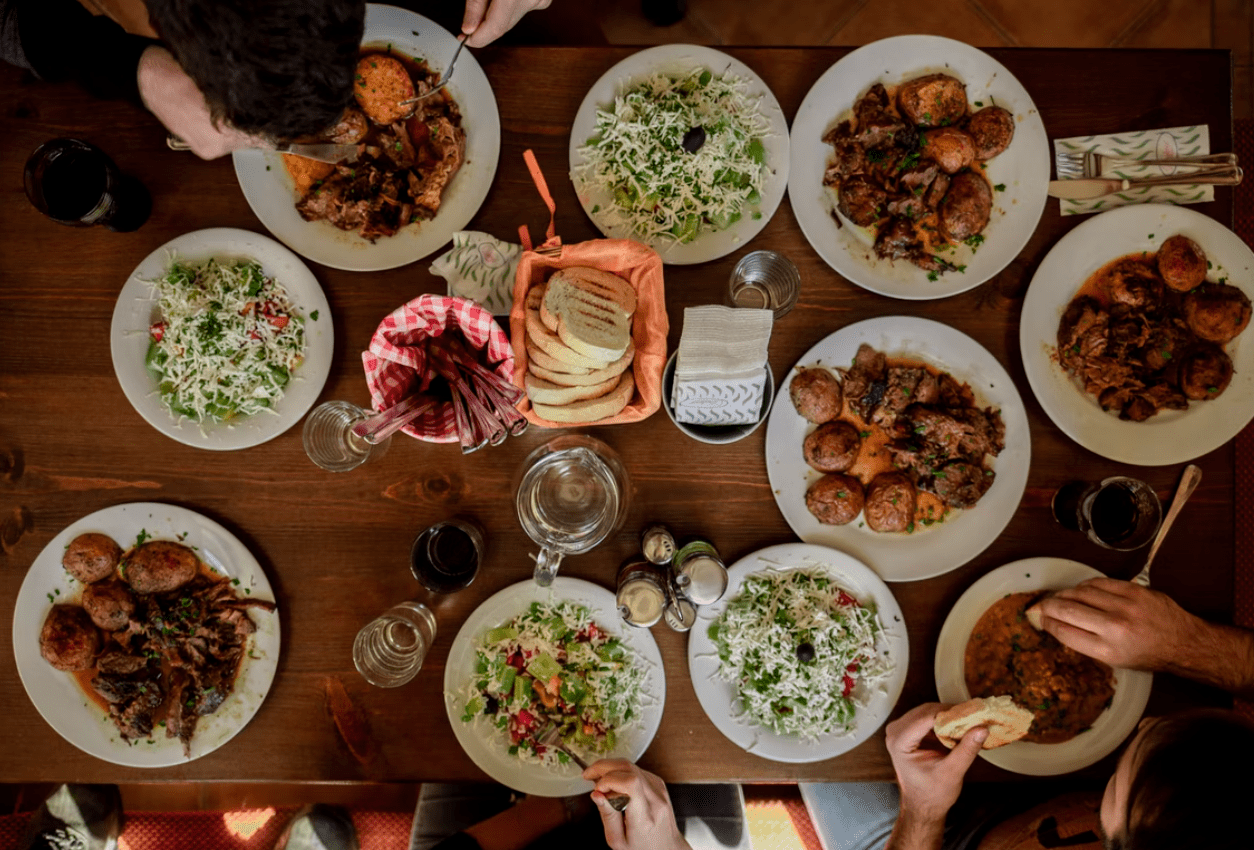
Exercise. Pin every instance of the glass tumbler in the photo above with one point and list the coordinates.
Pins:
(389, 651)
(329, 439)
(76, 183)
(1117, 513)
(570, 493)
(765, 280)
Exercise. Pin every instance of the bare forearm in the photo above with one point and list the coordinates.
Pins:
(912, 832)
(1217, 655)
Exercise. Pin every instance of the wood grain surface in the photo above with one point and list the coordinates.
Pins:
(336, 546)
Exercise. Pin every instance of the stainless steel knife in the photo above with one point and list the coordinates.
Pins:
(322, 153)
(1087, 188)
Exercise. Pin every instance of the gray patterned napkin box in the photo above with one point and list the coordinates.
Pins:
(722, 401)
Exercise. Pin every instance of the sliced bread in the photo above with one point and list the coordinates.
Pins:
(546, 392)
(537, 357)
(609, 288)
(592, 316)
(591, 410)
(1006, 721)
(588, 378)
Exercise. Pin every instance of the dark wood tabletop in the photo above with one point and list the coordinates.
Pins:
(335, 547)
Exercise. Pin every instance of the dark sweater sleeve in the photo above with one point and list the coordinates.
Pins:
(61, 41)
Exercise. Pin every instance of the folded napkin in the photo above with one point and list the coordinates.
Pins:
(1146, 144)
(720, 372)
(480, 267)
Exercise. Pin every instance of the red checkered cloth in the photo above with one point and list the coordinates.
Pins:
(397, 364)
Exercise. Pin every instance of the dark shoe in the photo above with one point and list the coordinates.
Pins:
(319, 827)
(77, 817)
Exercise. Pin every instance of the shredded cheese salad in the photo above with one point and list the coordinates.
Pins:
(678, 156)
(801, 652)
(228, 340)
(552, 665)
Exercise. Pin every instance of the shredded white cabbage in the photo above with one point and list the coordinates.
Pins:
(802, 653)
(660, 190)
(228, 340)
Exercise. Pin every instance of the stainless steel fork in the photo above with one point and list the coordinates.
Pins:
(1072, 164)
(552, 737)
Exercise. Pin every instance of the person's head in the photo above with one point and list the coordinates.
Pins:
(274, 68)
(1182, 781)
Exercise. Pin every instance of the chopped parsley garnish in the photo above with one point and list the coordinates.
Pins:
(1000, 187)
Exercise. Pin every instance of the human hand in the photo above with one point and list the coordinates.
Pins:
(648, 822)
(172, 96)
(487, 20)
(930, 778)
(1120, 623)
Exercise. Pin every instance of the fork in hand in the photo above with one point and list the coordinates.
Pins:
(551, 737)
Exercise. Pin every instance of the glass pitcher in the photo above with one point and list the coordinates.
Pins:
(571, 493)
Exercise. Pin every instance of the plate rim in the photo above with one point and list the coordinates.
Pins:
(894, 568)
(138, 386)
(1044, 377)
(358, 258)
(740, 234)
(1021, 757)
(263, 667)
(804, 211)
(699, 648)
(563, 588)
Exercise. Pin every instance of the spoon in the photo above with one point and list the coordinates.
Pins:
(378, 427)
(444, 78)
(1188, 483)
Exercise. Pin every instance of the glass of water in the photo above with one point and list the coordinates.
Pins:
(765, 280)
(571, 493)
(389, 651)
(330, 441)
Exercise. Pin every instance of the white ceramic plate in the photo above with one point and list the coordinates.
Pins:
(1173, 436)
(930, 550)
(1132, 687)
(719, 698)
(1023, 167)
(57, 695)
(272, 195)
(136, 310)
(680, 59)
(490, 754)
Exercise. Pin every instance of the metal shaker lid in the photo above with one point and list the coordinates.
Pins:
(703, 579)
(658, 544)
(681, 614)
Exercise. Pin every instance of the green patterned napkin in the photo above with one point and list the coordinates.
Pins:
(1146, 144)
(480, 267)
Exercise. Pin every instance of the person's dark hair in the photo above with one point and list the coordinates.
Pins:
(275, 68)
(1191, 786)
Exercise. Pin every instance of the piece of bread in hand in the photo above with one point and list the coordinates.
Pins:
(1006, 721)
(591, 410)
(1035, 617)
(588, 377)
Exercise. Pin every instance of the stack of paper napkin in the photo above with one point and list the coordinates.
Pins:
(720, 372)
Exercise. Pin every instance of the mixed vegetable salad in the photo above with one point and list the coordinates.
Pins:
(227, 342)
(553, 665)
(800, 651)
(679, 156)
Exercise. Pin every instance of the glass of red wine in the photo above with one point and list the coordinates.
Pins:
(77, 184)
(1117, 513)
(446, 557)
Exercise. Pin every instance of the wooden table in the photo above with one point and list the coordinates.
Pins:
(335, 546)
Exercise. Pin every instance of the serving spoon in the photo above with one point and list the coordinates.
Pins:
(1188, 483)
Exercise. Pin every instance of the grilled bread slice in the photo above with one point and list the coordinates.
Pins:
(588, 378)
(1006, 721)
(609, 289)
(588, 319)
(549, 342)
(594, 409)
(537, 358)
(544, 392)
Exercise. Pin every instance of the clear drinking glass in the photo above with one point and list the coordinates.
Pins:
(571, 493)
(1117, 513)
(446, 557)
(766, 280)
(76, 183)
(330, 441)
(389, 651)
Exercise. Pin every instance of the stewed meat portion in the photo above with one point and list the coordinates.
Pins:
(69, 640)
(890, 502)
(835, 499)
(832, 447)
(960, 483)
(160, 566)
(91, 557)
(1182, 263)
(816, 394)
(109, 604)
(861, 200)
(865, 382)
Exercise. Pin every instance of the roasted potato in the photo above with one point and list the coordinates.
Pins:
(936, 100)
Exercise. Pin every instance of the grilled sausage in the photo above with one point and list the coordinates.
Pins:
(1217, 313)
(933, 101)
(160, 566)
(835, 499)
(992, 129)
(966, 207)
(1182, 263)
(832, 447)
(69, 640)
(91, 557)
(949, 147)
(816, 395)
(890, 502)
